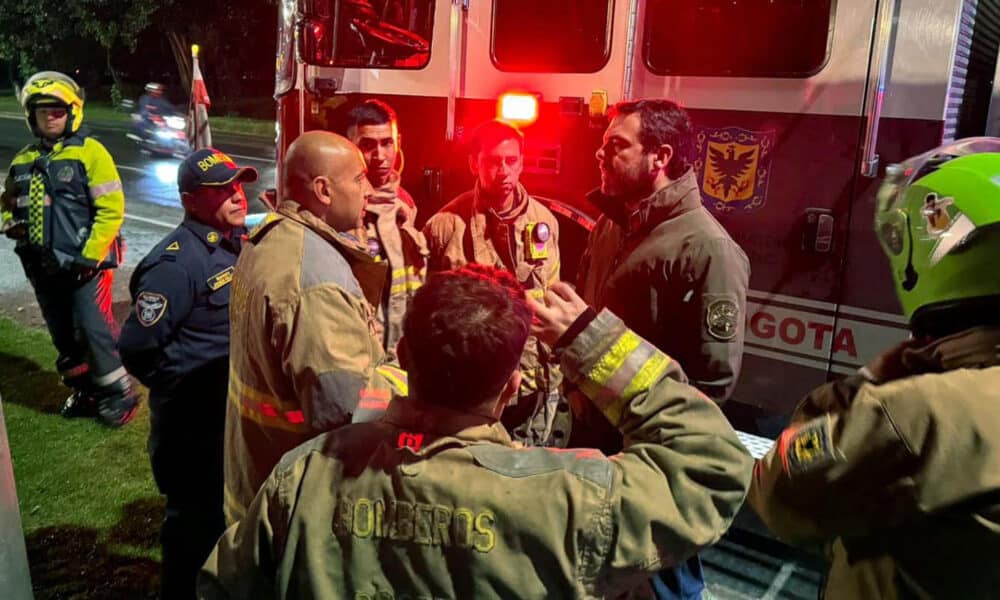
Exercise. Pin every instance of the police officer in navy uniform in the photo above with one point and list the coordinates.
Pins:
(176, 342)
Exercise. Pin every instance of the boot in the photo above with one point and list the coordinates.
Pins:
(117, 402)
(82, 402)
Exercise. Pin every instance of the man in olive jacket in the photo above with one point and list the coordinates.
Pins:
(304, 353)
(897, 469)
(434, 500)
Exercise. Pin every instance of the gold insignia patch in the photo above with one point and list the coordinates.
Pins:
(807, 447)
(173, 247)
(150, 308)
(722, 317)
(220, 279)
(733, 166)
(213, 237)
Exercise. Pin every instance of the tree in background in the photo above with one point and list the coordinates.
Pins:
(35, 36)
(134, 41)
(115, 25)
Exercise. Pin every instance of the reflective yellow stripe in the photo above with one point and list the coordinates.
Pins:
(404, 271)
(397, 378)
(535, 294)
(613, 359)
(263, 408)
(650, 371)
(409, 286)
(628, 379)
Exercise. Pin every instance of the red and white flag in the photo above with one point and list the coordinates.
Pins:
(199, 133)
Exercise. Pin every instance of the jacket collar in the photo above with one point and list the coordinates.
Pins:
(415, 416)
(519, 208)
(974, 348)
(346, 242)
(674, 199)
(388, 193)
(369, 273)
(209, 235)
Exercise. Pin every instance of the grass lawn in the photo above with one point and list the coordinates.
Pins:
(90, 510)
(101, 111)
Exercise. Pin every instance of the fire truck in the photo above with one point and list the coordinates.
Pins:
(798, 104)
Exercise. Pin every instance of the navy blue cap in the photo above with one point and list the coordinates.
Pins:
(211, 167)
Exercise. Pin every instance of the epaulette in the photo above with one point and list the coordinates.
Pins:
(167, 250)
(260, 229)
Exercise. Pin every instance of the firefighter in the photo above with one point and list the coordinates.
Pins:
(434, 500)
(499, 224)
(64, 206)
(176, 342)
(390, 214)
(305, 356)
(897, 468)
(658, 259)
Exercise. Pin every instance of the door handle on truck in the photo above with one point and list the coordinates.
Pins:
(884, 39)
(817, 237)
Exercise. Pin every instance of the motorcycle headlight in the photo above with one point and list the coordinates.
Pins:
(176, 122)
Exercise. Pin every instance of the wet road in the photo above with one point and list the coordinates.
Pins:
(152, 205)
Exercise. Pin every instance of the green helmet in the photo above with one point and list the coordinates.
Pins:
(936, 220)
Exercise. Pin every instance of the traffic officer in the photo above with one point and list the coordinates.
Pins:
(176, 342)
(63, 204)
(435, 501)
(897, 468)
(499, 224)
(660, 260)
(390, 215)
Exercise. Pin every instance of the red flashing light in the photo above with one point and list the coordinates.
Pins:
(518, 107)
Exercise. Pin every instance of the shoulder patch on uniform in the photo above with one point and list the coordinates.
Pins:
(722, 317)
(220, 279)
(174, 246)
(65, 174)
(807, 447)
(150, 308)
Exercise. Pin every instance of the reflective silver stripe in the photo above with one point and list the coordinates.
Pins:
(25, 201)
(105, 188)
(111, 377)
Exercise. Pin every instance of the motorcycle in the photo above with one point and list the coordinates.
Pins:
(161, 135)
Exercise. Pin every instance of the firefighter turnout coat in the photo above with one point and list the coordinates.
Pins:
(304, 354)
(432, 503)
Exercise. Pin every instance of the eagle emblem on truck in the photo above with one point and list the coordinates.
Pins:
(733, 167)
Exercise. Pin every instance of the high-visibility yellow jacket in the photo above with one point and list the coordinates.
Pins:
(78, 216)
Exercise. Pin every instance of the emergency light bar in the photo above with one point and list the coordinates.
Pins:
(518, 108)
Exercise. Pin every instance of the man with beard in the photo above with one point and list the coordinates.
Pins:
(658, 259)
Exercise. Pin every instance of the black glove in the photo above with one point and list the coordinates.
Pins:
(83, 273)
(15, 230)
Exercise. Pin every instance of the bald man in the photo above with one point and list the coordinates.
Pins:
(304, 354)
